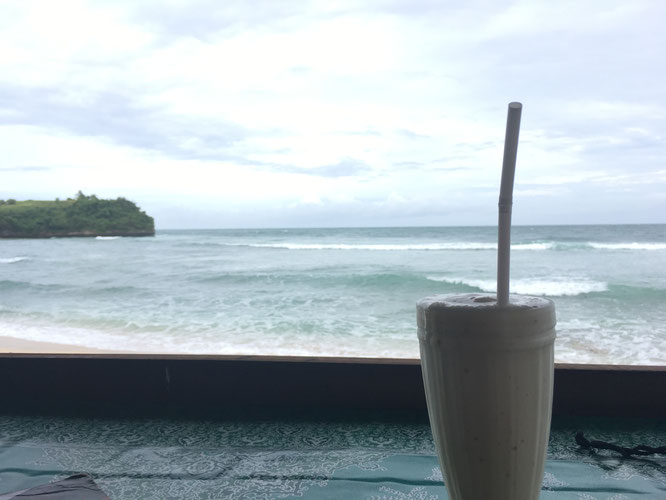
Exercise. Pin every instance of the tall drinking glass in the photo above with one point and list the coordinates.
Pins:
(488, 377)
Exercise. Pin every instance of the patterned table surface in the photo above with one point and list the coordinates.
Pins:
(369, 455)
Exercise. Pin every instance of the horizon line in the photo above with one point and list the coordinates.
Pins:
(404, 227)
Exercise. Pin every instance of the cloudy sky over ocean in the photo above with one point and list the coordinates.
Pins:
(267, 113)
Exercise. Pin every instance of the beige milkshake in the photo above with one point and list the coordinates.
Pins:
(488, 376)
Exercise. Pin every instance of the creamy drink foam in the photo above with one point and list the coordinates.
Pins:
(488, 377)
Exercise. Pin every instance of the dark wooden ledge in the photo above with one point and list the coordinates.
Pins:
(156, 383)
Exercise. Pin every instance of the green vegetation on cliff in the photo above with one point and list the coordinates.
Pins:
(83, 216)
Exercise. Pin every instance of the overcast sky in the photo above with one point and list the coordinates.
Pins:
(273, 113)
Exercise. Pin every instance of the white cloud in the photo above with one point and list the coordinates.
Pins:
(394, 110)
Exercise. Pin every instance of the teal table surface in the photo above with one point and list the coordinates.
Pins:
(370, 456)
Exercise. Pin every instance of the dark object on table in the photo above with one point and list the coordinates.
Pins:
(640, 450)
(77, 487)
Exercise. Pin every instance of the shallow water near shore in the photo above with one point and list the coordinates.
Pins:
(337, 292)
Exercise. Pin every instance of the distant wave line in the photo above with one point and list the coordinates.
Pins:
(393, 247)
(628, 246)
(458, 245)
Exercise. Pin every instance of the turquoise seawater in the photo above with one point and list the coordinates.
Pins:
(339, 292)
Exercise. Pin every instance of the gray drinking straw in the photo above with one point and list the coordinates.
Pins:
(506, 201)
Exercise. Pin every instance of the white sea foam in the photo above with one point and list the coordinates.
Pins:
(551, 287)
(628, 246)
(609, 341)
(211, 342)
(455, 245)
(12, 260)
(58, 334)
(107, 237)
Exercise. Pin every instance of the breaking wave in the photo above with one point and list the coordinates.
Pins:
(551, 288)
(12, 260)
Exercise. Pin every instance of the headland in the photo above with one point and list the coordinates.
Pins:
(81, 216)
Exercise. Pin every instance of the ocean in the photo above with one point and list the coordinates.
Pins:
(330, 292)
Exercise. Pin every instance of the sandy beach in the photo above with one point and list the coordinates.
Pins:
(15, 345)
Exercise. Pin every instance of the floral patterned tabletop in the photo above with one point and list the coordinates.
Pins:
(370, 455)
